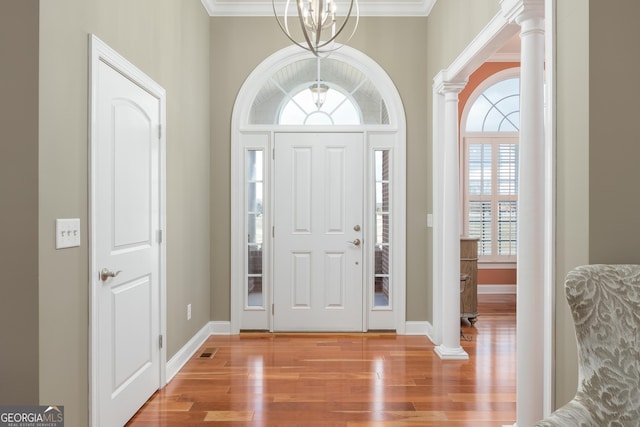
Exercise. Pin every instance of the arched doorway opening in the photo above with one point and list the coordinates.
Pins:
(536, 198)
(489, 133)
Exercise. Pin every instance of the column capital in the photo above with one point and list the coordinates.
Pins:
(442, 85)
(520, 10)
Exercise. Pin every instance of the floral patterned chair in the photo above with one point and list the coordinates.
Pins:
(605, 304)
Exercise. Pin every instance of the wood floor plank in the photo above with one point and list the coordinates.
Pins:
(346, 380)
(229, 416)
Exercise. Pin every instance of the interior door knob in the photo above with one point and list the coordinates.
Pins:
(106, 273)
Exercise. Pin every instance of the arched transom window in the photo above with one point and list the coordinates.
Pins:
(317, 91)
(497, 109)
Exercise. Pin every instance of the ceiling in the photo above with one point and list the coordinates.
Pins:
(367, 7)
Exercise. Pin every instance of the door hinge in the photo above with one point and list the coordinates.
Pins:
(159, 131)
(273, 231)
(159, 236)
(161, 341)
(273, 309)
(273, 153)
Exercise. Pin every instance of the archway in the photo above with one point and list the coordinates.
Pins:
(536, 199)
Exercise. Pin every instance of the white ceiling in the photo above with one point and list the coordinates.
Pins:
(367, 7)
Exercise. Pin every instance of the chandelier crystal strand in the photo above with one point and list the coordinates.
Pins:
(317, 18)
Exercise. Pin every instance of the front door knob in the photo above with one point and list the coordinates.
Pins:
(355, 242)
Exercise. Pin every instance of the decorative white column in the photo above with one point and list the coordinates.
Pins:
(529, 14)
(450, 223)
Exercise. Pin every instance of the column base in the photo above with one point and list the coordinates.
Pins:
(448, 353)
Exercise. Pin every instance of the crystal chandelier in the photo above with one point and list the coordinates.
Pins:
(319, 23)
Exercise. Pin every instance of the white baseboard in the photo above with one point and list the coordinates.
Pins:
(220, 328)
(418, 328)
(189, 349)
(496, 289)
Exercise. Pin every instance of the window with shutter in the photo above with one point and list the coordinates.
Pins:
(490, 165)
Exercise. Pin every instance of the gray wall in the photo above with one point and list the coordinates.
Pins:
(597, 152)
(398, 45)
(169, 41)
(19, 202)
(254, 39)
(614, 140)
(453, 24)
(572, 178)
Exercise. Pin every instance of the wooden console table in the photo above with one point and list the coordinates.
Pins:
(469, 278)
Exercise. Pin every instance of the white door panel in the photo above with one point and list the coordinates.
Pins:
(318, 216)
(126, 174)
(132, 146)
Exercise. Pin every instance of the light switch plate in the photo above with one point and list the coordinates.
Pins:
(67, 233)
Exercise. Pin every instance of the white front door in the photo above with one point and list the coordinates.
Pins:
(126, 211)
(318, 232)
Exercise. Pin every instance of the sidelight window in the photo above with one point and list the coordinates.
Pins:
(382, 258)
(255, 227)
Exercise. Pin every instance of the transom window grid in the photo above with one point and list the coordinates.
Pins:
(285, 97)
(497, 109)
(337, 109)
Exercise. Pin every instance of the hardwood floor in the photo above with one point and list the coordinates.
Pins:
(372, 379)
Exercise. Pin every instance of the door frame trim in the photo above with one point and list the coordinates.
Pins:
(244, 135)
(101, 52)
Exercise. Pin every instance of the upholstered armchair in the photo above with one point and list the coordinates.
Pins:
(605, 304)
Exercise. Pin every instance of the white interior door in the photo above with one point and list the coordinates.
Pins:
(318, 248)
(126, 211)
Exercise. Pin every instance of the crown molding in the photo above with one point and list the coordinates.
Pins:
(367, 7)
